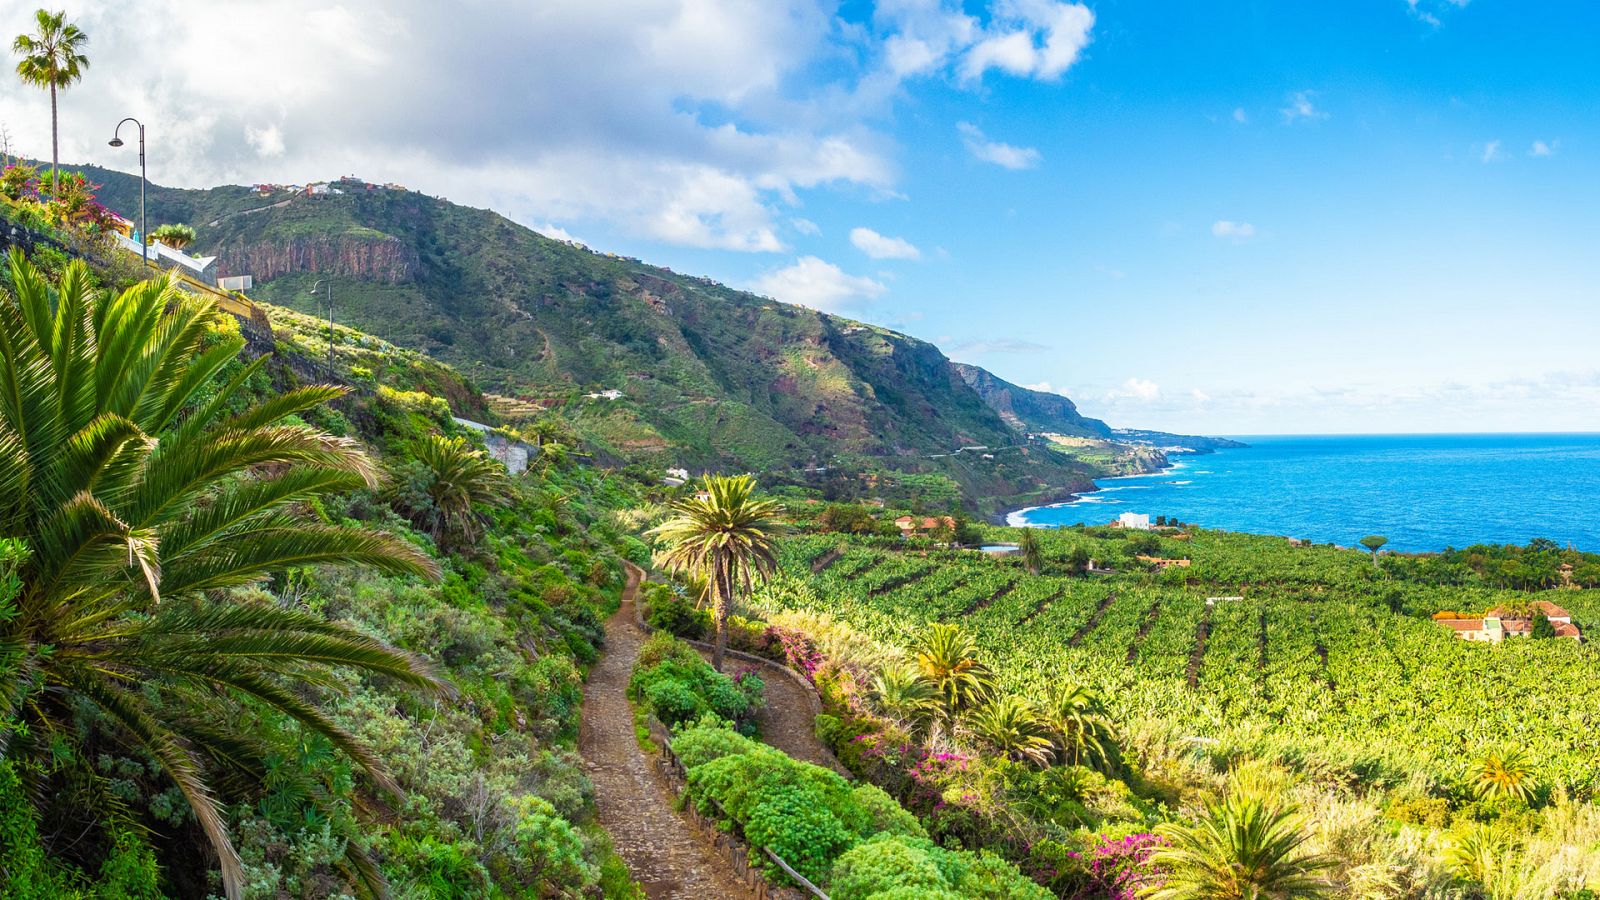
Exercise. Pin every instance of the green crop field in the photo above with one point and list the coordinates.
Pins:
(1326, 656)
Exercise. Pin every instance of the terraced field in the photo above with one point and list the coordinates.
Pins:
(1324, 656)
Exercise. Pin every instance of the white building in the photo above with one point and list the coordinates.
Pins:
(612, 394)
(1134, 520)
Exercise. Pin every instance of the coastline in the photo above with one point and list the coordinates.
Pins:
(1014, 518)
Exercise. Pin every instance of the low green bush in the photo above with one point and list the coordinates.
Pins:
(680, 687)
(675, 615)
(890, 866)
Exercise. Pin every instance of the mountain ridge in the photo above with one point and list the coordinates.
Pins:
(647, 363)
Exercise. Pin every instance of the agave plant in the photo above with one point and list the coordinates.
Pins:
(901, 693)
(1506, 773)
(1009, 726)
(947, 658)
(458, 477)
(1245, 847)
(1083, 733)
(133, 493)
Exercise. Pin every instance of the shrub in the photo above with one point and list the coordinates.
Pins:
(893, 866)
(680, 687)
(677, 616)
(707, 741)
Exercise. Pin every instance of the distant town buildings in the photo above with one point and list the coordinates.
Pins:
(1499, 623)
(1139, 521)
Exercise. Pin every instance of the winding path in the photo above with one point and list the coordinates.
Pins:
(662, 849)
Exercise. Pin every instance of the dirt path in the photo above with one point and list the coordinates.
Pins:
(662, 849)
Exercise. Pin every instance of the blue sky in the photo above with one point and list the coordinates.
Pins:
(1259, 217)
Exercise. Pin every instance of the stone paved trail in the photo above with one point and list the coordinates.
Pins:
(662, 849)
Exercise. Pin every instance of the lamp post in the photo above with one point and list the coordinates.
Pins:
(328, 293)
(116, 141)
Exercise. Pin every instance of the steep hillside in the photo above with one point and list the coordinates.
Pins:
(1029, 410)
(708, 376)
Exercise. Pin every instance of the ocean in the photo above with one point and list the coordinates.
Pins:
(1423, 492)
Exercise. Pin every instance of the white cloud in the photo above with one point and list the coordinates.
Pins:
(1030, 38)
(556, 232)
(1422, 9)
(1301, 108)
(1240, 116)
(1238, 231)
(1001, 154)
(1141, 389)
(818, 284)
(1199, 396)
(878, 246)
(805, 226)
(1492, 152)
(1543, 148)
(694, 122)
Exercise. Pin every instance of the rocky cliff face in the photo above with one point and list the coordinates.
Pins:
(378, 257)
(1029, 410)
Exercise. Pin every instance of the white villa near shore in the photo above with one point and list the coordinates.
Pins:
(1141, 521)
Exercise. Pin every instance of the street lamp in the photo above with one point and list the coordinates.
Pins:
(328, 293)
(116, 141)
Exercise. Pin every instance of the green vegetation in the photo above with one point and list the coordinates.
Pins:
(674, 684)
(1402, 762)
(174, 235)
(191, 663)
(723, 537)
(51, 60)
(854, 840)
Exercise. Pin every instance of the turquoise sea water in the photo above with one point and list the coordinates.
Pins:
(1423, 492)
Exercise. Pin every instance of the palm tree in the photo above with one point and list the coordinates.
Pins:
(132, 495)
(947, 659)
(51, 59)
(726, 535)
(901, 693)
(175, 235)
(1245, 848)
(1009, 726)
(1084, 735)
(1032, 554)
(1506, 773)
(458, 476)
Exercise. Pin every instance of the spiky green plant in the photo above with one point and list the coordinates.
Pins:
(1245, 847)
(726, 535)
(1032, 552)
(1083, 733)
(900, 692)
(52, 60)
(1506, 773)
(1009, 726)
(138, 495)
(947, 657)
(459, 476)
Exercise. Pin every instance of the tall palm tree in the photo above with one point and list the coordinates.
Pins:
(1083, 732)
(459, 476)
(948, 659)
(132, 495)
(727, 536)
(1246, 847)
(1009, 726)
(1506, 773)
(52, 60)
(1032, 553)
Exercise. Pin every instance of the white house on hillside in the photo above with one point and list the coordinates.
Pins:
(1134, 520)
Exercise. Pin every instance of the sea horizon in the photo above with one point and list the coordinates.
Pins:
(1425, 491)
